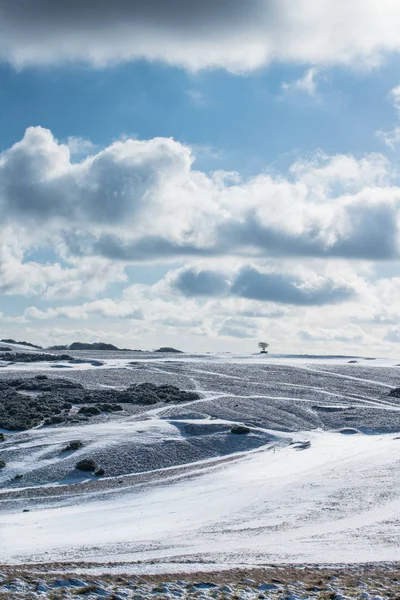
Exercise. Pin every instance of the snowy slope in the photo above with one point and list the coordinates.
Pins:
(179, 486)
(337, 501)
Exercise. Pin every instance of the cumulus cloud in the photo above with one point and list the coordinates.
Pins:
(106, 307)
(213, 33)
(250, 283)
(276, 287)
(391, 138)
(52, 280)
(144, 200)
(201, 283)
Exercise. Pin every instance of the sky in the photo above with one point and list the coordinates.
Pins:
(203, 175)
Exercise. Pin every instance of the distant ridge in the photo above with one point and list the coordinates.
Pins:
(11, 341)
(170, 350)
(93, 346)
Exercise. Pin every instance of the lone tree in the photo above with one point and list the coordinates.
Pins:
(263, 346)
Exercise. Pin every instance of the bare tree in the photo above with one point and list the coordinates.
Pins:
(263, 346)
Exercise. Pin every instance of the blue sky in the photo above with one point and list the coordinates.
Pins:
(248, 120)
(163, 182)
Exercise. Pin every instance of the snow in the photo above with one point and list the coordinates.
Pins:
(335, 502)
(120, 360)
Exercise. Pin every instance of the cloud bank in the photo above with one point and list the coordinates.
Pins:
(144, 200)
(263, 257)
(231, 34)
(253, 284)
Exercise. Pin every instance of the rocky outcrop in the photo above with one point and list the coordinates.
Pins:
(55, 397)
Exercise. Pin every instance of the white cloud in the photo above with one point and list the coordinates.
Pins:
(80, 277)
(394, 96)
(232, 34)
(144, 200)
(79, 145)
(391, 138)
(161, 316)
(259, 249)
(306, 84)
(106, 307)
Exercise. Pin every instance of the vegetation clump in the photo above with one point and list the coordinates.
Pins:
(91, 411)
(72, 446)
(29, 357)
(55, 397)
(87, 465)
(395, 393)
(240, 430)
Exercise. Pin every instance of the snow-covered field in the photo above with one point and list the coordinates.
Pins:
(316, 480)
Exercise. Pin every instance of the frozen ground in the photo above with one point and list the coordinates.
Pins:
(315, 480)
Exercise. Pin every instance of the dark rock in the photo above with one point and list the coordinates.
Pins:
(240, 430)
(89, 411)
(2, 464)
(5, 349)
(19, 476)
(395, 393)
(72, 446)
(56, 397)
(86, 464)
(41, 377)
(21, 412)
(99, 472)
(26, 510)
(2, 437)
(55, 420)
